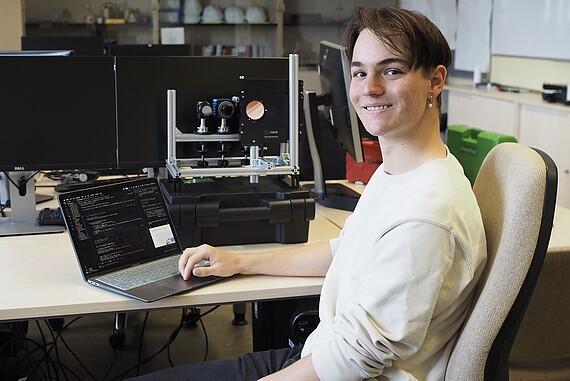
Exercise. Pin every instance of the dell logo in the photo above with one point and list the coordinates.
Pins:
(19, 168)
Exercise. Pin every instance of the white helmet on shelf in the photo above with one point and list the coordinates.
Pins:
(255, 14)
(192, 11)
(234, 15)
(212, 14)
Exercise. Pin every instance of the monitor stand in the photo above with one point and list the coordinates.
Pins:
(332, 195)
(336, 196)
(23, 216)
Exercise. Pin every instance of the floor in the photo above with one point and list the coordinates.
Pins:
(83, 351)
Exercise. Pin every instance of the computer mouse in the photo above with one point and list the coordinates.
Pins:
(202, 263)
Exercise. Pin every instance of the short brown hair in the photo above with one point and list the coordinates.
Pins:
(404, 31)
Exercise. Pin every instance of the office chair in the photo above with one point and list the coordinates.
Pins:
(516, 192)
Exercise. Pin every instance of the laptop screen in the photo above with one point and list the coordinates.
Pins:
(118, 225)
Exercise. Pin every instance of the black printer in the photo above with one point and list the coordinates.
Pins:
(556, 93)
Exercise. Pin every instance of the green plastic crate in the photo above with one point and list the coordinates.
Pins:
(470, 146)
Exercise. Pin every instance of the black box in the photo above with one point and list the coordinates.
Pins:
(284, 323)
(233, 211)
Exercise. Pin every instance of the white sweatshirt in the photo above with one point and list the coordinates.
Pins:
(402, 277)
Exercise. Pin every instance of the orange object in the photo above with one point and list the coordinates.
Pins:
(362, 172)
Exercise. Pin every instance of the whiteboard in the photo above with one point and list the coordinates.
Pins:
(531, 28)
(473, 35)
(441, 12)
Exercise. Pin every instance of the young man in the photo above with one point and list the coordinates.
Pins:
(401, 275)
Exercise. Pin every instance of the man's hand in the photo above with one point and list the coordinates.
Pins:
(222, 263)
(306, 260)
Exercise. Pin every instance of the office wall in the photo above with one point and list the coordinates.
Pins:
(529, 44)
(11, 24)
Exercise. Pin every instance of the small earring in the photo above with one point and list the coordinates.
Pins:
(430, 101)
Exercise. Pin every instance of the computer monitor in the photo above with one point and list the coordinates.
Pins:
(80, 45)
(41, 53)
(149, 50)
(142, 84)
(55, 113)
(334, 75)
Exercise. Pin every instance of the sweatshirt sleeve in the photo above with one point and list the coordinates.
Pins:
(392, 298)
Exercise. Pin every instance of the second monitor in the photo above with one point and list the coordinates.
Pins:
(334, 75)
(142, 84)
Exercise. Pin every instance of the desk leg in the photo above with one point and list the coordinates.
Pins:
(117, 338)
(239, 314)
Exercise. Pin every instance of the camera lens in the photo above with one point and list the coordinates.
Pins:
(226, 109)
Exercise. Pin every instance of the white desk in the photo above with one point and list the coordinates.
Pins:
(40, 278)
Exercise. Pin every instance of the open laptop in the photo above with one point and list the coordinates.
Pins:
(125, 241)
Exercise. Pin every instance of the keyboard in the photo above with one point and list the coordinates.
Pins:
(87, 184)
(143, 274)
(50, 216)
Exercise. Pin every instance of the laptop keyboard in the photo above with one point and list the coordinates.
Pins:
(143, 274)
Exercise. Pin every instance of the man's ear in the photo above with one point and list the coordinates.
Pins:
(438, 76)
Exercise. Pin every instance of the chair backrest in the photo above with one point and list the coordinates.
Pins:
(516, 192)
